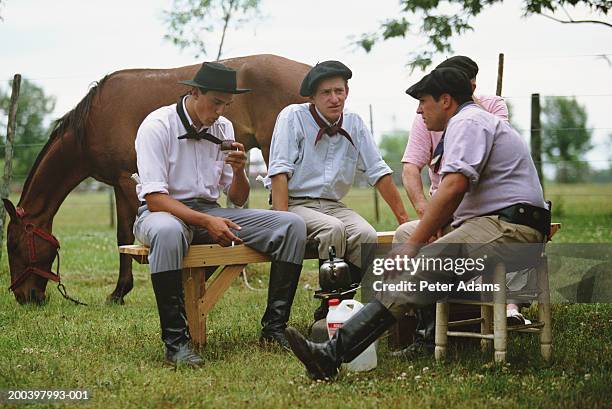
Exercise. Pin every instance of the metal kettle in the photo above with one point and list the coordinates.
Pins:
(334, 274)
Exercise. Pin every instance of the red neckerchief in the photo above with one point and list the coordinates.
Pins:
(330, 130)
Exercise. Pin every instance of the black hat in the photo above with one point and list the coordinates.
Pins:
(215, 77)
(440, 81)
(325, 69)
(463, 63)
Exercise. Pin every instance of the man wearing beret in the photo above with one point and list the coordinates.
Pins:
(489, 189)
(182, 172)
(317, 148)
(426, 148)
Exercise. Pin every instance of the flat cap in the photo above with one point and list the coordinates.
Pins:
(463, 63)
(325, 69)
(440, 81)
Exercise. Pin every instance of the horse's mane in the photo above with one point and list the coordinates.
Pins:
(74, 120)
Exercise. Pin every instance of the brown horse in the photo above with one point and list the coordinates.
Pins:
(96, 139)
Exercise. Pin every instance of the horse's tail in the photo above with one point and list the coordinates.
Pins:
(76, 119)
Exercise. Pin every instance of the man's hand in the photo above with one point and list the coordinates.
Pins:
(219, 230)
(236, 158)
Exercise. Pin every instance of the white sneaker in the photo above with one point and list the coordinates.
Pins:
(514, 317)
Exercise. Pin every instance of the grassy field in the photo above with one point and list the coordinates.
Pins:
(115, 352)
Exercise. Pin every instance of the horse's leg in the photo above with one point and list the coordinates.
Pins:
(127, 205)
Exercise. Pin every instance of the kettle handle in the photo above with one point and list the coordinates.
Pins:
(332, 253)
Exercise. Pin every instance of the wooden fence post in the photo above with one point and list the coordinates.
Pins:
(8, 153)
(500, 74)
(536, 136)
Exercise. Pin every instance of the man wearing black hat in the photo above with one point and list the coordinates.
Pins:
(425, 148)
(182, 170)
(317, 147)
(490, 191)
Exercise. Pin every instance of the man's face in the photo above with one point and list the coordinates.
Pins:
(211, 105)
(330, 96)
(434, 112)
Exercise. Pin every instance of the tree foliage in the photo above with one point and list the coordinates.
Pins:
(440, 21)
(192, 23)
(32, 124)
(566, 138)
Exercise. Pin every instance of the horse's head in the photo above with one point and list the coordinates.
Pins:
(31, 251)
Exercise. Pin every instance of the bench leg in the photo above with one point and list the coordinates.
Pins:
(486, 326)
(441, 336)
(194, 284)
(218, 286)
(500, 327)
(544, 314)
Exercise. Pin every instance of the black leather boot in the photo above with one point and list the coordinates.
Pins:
(284, 279)
(168, 288)
(323, 360)
(424, 343)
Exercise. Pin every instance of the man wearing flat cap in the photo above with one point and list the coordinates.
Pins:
(317, 148)
(489, 189)
(425, 148)
(182, 172)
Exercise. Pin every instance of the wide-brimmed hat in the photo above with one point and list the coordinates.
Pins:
(215, 77)
(445, 80)
(325, 69)
(463, 63)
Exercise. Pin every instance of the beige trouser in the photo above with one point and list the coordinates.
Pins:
(331, 223)
(479, 236)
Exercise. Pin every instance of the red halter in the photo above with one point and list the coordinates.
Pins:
(31, 230)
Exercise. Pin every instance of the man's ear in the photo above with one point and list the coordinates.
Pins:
(346, 88)
(447, 100)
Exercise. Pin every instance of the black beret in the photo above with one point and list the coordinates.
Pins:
(325, 69)
(442, 81)
(463, 63)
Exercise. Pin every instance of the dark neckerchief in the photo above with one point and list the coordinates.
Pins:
(436, 158)
(192, 133)
(330, 130)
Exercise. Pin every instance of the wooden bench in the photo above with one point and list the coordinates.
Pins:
(200, 296)
(201, 259)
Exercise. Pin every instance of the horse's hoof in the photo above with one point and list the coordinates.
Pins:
(114, 300)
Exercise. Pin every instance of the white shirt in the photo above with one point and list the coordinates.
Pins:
(181, 168)
(325, 170)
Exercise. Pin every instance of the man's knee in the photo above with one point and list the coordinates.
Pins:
(403, 232)
(295, 223)
(168, 231)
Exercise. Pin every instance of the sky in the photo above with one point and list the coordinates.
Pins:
(65, 45)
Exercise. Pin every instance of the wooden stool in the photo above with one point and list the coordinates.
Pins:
(493, 325)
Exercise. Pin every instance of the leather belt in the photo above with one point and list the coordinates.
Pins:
(526, 215)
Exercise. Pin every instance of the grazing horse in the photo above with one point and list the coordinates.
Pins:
(96, 139)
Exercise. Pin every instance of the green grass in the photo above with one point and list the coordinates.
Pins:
(115, 351)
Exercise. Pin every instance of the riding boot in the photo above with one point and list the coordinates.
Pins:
(284, 279)
(322, 360)
(424, 343)
(168, 289)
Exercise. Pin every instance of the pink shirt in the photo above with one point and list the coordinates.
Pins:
(422, 142)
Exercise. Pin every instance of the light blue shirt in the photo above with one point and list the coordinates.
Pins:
(325, 170)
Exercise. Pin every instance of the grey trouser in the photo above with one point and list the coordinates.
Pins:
(477, 236)
(331, 223)
(281, 235)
